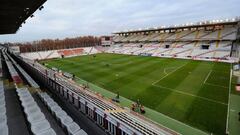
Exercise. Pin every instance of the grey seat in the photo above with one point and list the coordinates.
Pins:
(60, 114)
(55, 109)
(3, 110)
(45, 96)
(19, 90)
(48, 100)
(42, 95)
(72, 128)
(30, 110)
(4, 129)
(49, 104)
(66, 121)
(3, 119)
(36, 117)
(2, 92)
(2, 102)
(29, 104)
(22, 92)
(26, 98)
(2, 96)
(1, 89)
(48, 132)
(81, 132)
(26, 93)
(40, 127)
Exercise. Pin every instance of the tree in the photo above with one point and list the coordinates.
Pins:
(56, 44)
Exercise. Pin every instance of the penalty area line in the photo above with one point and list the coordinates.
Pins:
(207, 77)
(168, 74)
(192, 95)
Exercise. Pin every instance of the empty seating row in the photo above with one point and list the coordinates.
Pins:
(61, 116)
(58, 53)
(206, 50)
(28, 102)
(38, 123)
(227, 33)
(16, 78)
(3, 116)
(70, 52)
(70, 90)
(26, 76)
(41, 55)
(0, 66)
(66, 122)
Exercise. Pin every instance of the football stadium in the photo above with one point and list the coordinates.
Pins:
(181, 79)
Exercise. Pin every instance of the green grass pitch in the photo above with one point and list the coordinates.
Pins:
(193, 92)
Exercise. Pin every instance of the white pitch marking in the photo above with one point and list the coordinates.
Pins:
(216, 85)
(205, 81)
(165, 72)
(168, 74)
(181, 92)
(207, 76)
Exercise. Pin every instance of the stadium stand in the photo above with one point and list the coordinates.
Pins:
(61, 116)
(105, 113)
(59, 53)
(201, 42)
(37, 121)
(0, 66)
(35, 113)
(3, 116)
(212, 42)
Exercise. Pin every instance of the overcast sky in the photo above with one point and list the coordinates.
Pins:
(71, 18)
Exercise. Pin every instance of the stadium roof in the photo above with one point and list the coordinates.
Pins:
(233, 21)
(15, 12)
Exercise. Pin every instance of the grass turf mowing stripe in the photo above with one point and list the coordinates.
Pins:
(167, 74)
(174, 124)
(133, 76)
(192, 95)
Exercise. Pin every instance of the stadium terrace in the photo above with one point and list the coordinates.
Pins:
(182, 26)
(168, 80)
(141, 70)
(200, 41)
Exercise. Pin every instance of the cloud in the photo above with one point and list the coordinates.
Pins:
(70, 18)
